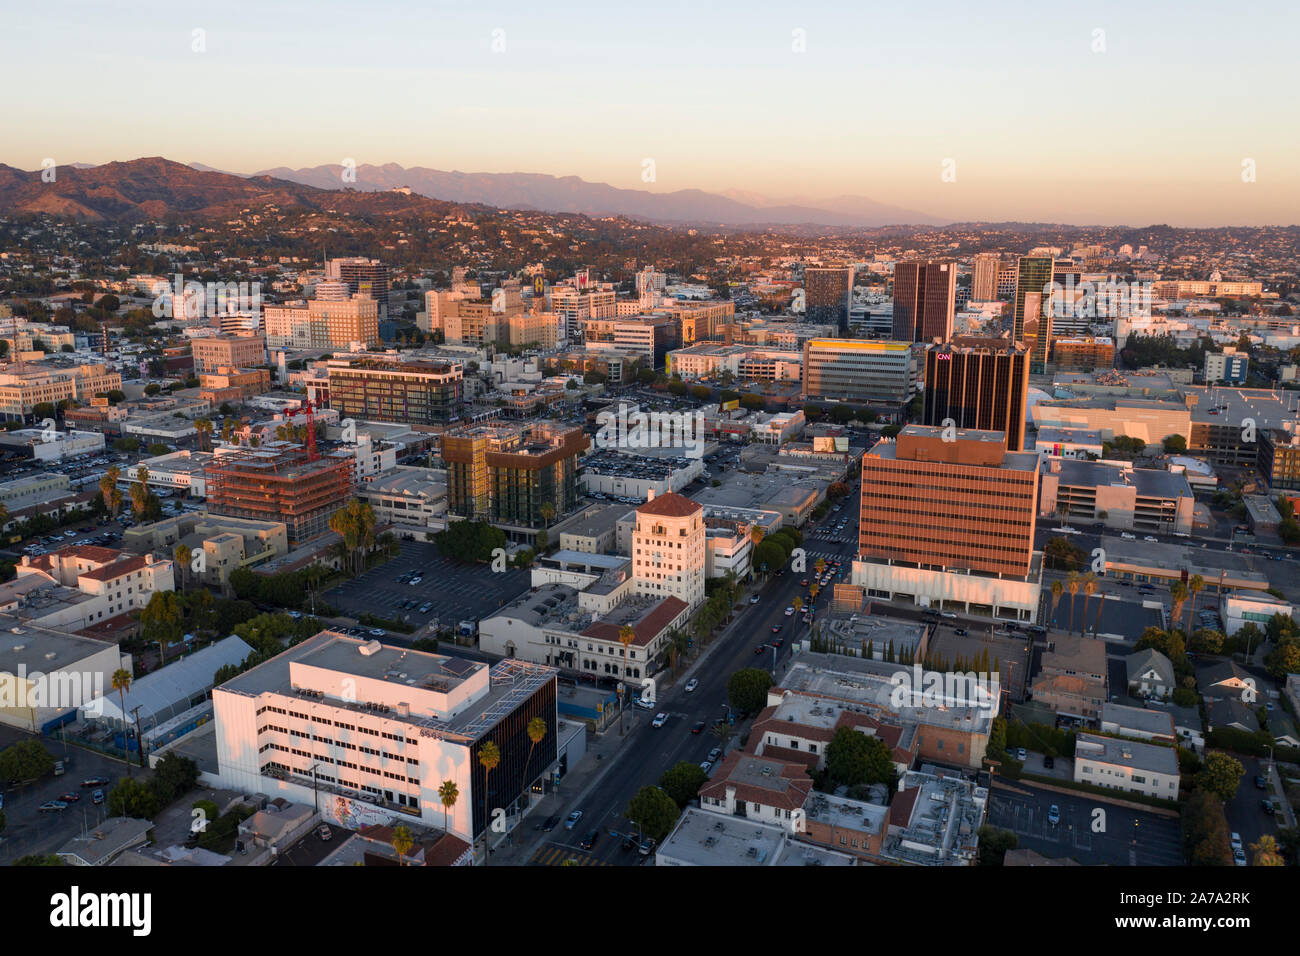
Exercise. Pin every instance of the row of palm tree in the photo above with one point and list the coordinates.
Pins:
(355, 524)
(1182, 595)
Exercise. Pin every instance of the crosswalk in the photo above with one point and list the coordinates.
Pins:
(553, 854)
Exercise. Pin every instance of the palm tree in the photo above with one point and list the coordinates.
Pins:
(798, 604)
(1089, 589)
(1194, 587)
(536, 733)
(1072, 585)
(548, 512)
(121, 680)
(4, 516)
(1178, 595)
(203, 427)
(449, 793)
(626, 635)
(489, 756)
(108, 488)
(182, 554)
(820, 566)
(1057, 590)
(756, 534)
(402, 843)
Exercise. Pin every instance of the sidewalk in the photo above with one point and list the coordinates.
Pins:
(517, 847)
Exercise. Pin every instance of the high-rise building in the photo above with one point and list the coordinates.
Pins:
(364, 276)
(1032, 319)
(924, 300)
(223, 351)
(828, 290)
(979, 383)
(382, 390)
(984, 277)
(858, 370)
(513, 473)
(668, 548)
(965, 504)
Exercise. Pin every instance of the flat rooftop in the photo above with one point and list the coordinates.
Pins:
(1127, 753)
(702, 838)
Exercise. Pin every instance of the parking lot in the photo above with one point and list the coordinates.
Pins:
(28, 830)
(1118, 837)
(454, 592)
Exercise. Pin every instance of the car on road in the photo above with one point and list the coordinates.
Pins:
(753, 599)
(95, 782)
(645, 702)
(70, 797)
(948, 614)
(325, 833)
(1236, 841)
(549, 824)
(779, 642)
(691, 685)
(647, 846)
(776, 628)
(789, 612)
(1239, 857)
(53, 806)
(760, 649)
(1260, 782)
(697, 727)
(97, 797)
(714, 754)
(1150, 537)
(959, 631)
(1053, 814)
(590, 839)
(1128, 537)
(1021, 755)
(803, 583)
(1267, 807)
(660, 720)
(572, 819)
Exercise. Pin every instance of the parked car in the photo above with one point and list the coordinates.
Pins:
(1021, 755)
(549, 824)
(789, 612)
(325, 833)
(647, 847)
(53, 806)
(96, 782)
(1049, 761)
(714, 754)
(1053, 814)
(1260, 782)
(706, 765)
(97, 797)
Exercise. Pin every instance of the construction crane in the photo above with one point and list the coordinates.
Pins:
(312, 454)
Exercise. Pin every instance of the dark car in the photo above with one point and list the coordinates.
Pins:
(1267, 807)
(960, 631)
(550, 823)
(1260, 782)
(776, 628)
(778, 643)
(95, 782)
(697, 727)
(629, 843)
(70, 797)
(1049, 761)
(760, 649)
(590, 839)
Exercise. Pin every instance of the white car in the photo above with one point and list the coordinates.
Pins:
(1239, 857)
(789, 612)
(1128, 537)
(1151, 538)
(646, 703)
(949, 615)
(659, 721)
(691, 685)
(1236, 842)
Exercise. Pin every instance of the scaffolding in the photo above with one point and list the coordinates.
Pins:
(280, 483)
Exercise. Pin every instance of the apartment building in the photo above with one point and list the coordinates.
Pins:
(23, 388)
(384, 390)
(233, 385)
(1126, 765)
(1073, 676)
(226, 544)
(215, 352)
(82, 586)
(668, 548)
(513, 473)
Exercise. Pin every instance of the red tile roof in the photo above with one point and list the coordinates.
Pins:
(787, 789)
(647, 629)
(670, 505)
(116, 569)
(89, 552)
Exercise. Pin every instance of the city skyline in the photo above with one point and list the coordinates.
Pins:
(1087, 119)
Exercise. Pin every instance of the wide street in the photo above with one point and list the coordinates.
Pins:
(647, 751)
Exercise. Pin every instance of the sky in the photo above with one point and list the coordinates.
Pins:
(1097, 113)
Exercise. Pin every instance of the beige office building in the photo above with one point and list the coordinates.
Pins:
(668, 548)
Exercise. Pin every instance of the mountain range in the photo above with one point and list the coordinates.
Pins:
(574, 195)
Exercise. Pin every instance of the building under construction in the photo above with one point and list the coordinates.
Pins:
(280, 482)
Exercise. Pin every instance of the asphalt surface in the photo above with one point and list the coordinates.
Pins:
(649, 751)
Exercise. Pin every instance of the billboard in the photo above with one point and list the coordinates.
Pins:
(539, 286)
(731, 405)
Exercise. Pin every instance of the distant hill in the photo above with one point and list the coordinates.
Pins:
(157, 188)
(571, 194)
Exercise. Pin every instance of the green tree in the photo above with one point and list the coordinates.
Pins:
(402, 842)
(747, 689)
(121, 682)
(489, 757)
(654, 811)
(682, 782)
(25, 760)
(131, 798)
(1220, 775)
(853, 758)
(993, 845)
(448, 794)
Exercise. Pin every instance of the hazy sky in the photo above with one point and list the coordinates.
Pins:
(1038, 126)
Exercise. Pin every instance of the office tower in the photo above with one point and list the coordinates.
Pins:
(382, 390)
(965, 505)
(858, 370)
(506, 472)
(924, 299)
(221, 351)
(979, 383)
(1032, 322)
(340, 323)
(365, 276)
(827, 293)
(668, 556)
(984, 277)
